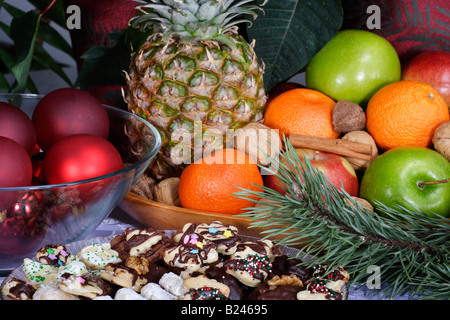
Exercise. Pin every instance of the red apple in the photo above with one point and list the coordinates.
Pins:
(336, 168)
(433, 68)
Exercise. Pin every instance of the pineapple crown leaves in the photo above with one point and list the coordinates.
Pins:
(189, 20)
(410, 248)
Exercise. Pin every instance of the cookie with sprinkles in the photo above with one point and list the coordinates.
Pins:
(191, 255)
(38, 273)
(56, 255)
(225, 237)
(86, 285)
(203, 288)
(251, 270)
(97, 256)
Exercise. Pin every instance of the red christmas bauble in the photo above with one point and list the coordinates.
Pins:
(79, 157)
(16, 125)
(15, 170)
(68, 111)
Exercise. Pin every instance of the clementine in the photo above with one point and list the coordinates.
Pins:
(209, 184)
(301, 111)
(405, 113)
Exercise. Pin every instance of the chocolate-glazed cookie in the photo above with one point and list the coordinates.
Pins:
(146, 243)
(17, 289)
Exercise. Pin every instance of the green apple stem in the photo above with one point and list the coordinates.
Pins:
(423, 183)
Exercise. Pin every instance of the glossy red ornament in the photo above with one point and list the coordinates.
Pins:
(15, 170)
(79, 157)
(68, 111)
(16, 125)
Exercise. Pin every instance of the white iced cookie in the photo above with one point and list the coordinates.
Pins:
(173, 284)
(97, 256)
(203, 288)
(76, 267)
(153, 291)
(38, 273)
(86, 285)
(128, 294)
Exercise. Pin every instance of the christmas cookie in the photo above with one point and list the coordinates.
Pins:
(86, 285)
(142, 243)
(76, 267)
(51, 291)
(38, 273)
(128, 294)
(203, 288)
(55, 255)
(190, 255)
(16, 289)
(174, 284)
(97, 256)
(153, 291)
(251, 263)
(225, 237)
(123, 276)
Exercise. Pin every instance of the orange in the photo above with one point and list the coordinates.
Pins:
(301, 111)
(405, 113)
(209, 183)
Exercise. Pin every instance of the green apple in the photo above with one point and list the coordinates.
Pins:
(353, 65)
(416, 178)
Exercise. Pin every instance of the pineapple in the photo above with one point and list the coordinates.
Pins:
(195, 78)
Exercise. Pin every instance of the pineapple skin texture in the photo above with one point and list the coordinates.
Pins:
(196, 94)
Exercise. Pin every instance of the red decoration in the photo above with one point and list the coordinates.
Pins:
(15, 170)
(16, 125)
(68, 111)
(80, 157)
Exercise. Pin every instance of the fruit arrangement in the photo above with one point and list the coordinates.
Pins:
(355, 133)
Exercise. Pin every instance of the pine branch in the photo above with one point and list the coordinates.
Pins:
(410, 248)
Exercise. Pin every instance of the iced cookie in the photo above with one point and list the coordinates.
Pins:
(325, 286)
(97, 256)
(145, 243)
(191, 256)
(174, 284)
(17, 289)
(128, 294)
(203, 288)
(251, 263)
(51, 291)
(76, 267)
(225, 237)
(38, 273)
(123, 276)
(153, 291)
(55, 255)
(86, 285)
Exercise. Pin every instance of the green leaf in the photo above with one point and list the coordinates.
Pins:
(25, 43)
(291, 32)
(105, 65)
(56, 13)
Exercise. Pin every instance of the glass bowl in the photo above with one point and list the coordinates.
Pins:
(62, 213)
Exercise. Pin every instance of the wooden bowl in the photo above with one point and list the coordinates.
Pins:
(166, 217)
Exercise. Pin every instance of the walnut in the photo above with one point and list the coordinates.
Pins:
(285, 280)
(441, 139)
(259, 142)
(361, 137)
(139, 264)
(166, 191)
(144, 187)
(348, 116)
